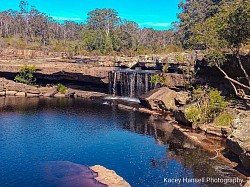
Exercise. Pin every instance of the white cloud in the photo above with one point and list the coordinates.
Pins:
(155, 24)
(58, 18)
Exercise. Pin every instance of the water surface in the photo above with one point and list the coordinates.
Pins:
(35, 133)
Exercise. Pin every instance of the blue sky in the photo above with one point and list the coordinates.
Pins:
(157, 14)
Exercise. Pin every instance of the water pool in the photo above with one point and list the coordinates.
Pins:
(36, 132)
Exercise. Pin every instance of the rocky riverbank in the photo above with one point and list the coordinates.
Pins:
(237, 135)
(11, 88)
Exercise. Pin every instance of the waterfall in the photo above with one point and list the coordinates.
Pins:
(130, 83)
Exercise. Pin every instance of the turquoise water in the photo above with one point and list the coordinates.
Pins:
(35, 133)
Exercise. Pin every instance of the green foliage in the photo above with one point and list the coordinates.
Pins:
(180, 59)
(196, 12)
(224, 119)
(61, 88)
(194, 114)
(208, 104)
(160, 79)
(235, 27)
(230, 27)
(25, 75)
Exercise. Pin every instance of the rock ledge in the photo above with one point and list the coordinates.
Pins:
(109, 177)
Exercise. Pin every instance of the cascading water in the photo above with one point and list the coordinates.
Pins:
(130, 83)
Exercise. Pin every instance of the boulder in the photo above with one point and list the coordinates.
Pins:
(182, 98)
(159, 99)
(164, 99)
(180, 116)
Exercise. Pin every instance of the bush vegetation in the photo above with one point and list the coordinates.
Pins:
(162, 79)
(26, 75)
(61, 88)
(208, 106)
(224, 119)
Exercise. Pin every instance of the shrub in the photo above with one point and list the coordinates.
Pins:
(26, 75)
(180, 59)
(224, 119)
(160, 79)
(61, 88)
(208, 104)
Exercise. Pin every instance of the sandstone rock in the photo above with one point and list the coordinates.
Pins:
(50, 94)
(159, 99)
(247, 183)
(44, 90)
(182, 98)
(218, 131)
(13, 86)
(125, 107)
(2, 88)
(32, 95)
(109, 177)
(32, 89)
(47, 91)
(11, 93)
(59, 95)
(239, 141)
(70, 92)
(90, 95)
(2, 93)
(20, 94)
(213, 130)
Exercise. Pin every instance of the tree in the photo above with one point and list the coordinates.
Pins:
(195, 12)
(228, 28)
(236, 29)
(103, 19)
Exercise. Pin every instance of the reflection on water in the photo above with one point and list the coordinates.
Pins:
(66, 174)
(140, 148)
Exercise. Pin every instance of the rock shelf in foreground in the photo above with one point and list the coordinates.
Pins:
(109, 177)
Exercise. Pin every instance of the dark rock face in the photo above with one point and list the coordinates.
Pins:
(11, 88)
(239, 141)
(61, 71)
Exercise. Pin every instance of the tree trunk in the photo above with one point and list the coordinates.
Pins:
(232, 80)
(243, 69)
(225, 75)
